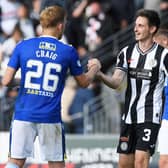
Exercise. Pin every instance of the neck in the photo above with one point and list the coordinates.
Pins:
(50, 32)
(145, 45)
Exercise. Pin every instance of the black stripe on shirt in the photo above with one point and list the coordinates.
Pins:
(154, 81)
(140, 65)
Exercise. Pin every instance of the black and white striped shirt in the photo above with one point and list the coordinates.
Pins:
(145, 81)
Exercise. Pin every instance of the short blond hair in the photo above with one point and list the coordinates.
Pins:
(51, 16)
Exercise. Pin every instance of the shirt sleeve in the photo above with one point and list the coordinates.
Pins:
(121, 60)
(75, 65)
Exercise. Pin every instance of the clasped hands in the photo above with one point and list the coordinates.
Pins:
(94, 63)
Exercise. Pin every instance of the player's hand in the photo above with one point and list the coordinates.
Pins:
(94, 63)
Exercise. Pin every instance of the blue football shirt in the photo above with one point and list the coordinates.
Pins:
(165, 112)
(44, 63)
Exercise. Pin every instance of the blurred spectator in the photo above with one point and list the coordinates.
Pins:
(46, 3)
(123, 11)
(164, 11)
(66, 101)
(34, 15)
(2, 92)
(152, 5)
(9, 16)
(164, 25)
(76, 110)
(98, 25)
(74, 31)
(139, 4)
(8, 46)
(28, 2)
(8, 106)
(25, 22)
(2, 95)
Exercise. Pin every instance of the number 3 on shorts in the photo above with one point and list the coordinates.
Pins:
(147, 133)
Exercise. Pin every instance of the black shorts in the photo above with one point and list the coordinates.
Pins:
(138, 137)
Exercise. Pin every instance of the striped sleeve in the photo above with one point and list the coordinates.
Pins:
(121, 60)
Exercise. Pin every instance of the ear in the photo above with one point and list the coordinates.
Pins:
(60, 26)
(166, 42)
(153, 29)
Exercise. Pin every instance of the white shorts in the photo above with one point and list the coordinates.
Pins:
(163, 138)
(51, 140)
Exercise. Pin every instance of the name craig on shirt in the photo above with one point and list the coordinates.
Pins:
(46, 54)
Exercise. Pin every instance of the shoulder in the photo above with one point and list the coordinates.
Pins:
(29, 42)
(66, 45)
(123, 51)
(68, 49)
(160, 46)
(162, 50)
(128, 47)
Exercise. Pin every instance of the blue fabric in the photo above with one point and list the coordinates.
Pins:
(44, 63)
(165, 113)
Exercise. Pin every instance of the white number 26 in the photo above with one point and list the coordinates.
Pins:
(42, 71)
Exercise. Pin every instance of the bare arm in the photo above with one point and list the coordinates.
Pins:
(8, 76)
(79, 10)
(113, 81)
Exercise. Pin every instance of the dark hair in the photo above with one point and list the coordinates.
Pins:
(151, 15)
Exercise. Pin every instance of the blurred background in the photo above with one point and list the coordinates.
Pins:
(97, 29)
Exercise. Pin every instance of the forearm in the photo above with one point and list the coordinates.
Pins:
(8, 83)
(113, 81)
(8, 77)
(79, 10)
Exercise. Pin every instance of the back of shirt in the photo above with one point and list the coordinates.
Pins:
(44, 62)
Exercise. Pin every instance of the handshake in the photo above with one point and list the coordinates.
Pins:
(94, 64)
(94, 67)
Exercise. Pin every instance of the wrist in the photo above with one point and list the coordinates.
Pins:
(99, 75)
